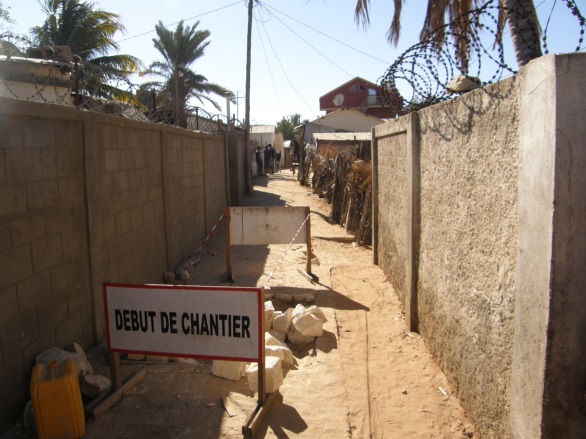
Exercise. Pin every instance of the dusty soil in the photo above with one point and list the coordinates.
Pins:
(367, 377)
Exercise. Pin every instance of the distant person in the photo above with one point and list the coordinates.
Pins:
(278, 161)
(267, 158)
(295, 151)
(258, 155)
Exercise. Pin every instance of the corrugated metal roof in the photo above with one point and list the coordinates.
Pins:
(341, 137)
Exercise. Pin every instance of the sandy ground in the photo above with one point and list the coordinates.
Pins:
(365, 378)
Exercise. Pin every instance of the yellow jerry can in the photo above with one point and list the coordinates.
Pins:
(57, 400)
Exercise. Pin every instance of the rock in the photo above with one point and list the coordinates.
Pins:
(83, 358)
(305, 297)
(93, 385)
(56, 354)
(184, 275)
(136, 357)
(296, 338)
(309, 325)
(168, 277)
(283, 297)
(230, 370)
(273, 375)
(278, 335)
(191, 361)
(269, 313)
(313, 309)
(462, 83)
(283, 352)
(28, 416)
(298, 310)
(283, 322)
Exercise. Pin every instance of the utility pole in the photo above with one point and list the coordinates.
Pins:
(248, 183)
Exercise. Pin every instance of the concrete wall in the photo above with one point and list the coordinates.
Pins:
(85, 198)
(489, 272)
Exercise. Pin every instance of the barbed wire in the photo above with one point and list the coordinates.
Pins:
(89, 87)
(471, 47)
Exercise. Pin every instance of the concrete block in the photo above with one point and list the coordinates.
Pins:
(69, 134)
(74, 244)
(123, 223)
(5, 235)
(70, 191)
(273, 375)
(51, 315)
(11, 132)
(9, 301)
(78, 297)
(2, 168)
(69, 331)
(38, 132)
(55, 163)
(34, 291)
(63, 275)
(282, 322)
(230, 370)
(59, 220)
(308, 325)
(15, 265)
(47, 252)
(111, 160)
(18, 333)
(269, 313)
(295, 337)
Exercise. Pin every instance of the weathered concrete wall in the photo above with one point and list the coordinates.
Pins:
(235, 146)
(86, 198)
(485, 249)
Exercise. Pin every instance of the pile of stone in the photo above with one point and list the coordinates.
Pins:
(90, 383)
(298, 325)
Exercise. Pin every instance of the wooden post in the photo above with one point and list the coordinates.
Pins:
(228, 259)
(308, 239)
(115, 376)
(374, 223)
(365, 213)
(414, 226)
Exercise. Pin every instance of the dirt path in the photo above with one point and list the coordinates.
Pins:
(366, 377)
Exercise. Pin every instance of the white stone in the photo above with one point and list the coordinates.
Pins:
(184, 275)
(309, 324)
(136, 357)
(299, 309)
(269, 313)
(270, 340)
(83, 359)
(281, 323)
(54, 353)
(273, 375)
(157, 358)
(230, 370)
(296, 338)
(93, 385)
(277, 351)
(462, 83)
(278, 335)
(313, 309)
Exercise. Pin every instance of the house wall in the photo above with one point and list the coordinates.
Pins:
(352, 99)
(489, 272)
(85, 198)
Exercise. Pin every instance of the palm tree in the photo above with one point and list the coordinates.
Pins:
(180, 49)
(519, 14)
(89, 32)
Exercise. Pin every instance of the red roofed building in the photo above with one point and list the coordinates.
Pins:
(358, 94)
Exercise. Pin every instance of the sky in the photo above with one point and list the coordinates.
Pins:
(301, 49)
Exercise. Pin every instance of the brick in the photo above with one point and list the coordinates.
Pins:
(19, 332)
(127, 159)
(107, 184)
(78, 298)
(63, 275)
(34, 291)
(123, 223)
(27, 228)
(59, 220)
(5, 235)
(120, 181)
(69, 331)
(112, 161)
(135, 179)
(136, 217)
(38, 133)
(23, 165)
(70, 191)
(10, 132)
(76, 163)
(13, 200)
(2, 168)
(55, 163)
(74, 244)
(51, 315)
(15, 265)
(9, 301)
(44, 342)
(69, 134)
(42, 194)
(47, 252)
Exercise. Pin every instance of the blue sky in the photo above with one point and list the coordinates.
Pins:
(292, 64)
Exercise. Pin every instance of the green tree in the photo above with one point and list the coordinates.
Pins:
(520, 16)
(287, 124)
(180, 49)
(89, 32)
